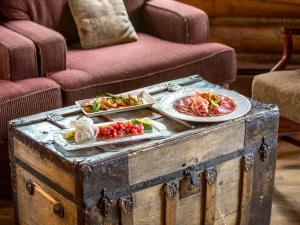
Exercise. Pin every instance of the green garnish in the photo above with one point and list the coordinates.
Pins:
(214, 101)
(96, 106)
(70, 135)
(147, 124)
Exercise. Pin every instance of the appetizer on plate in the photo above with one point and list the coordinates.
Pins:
(112, 102)
(86, 131)
(206, 104)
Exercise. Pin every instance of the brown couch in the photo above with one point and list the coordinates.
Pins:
(43, 67)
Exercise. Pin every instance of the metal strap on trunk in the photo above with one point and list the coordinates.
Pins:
(126, 210)
(246, 192)
(210, 196)
(171, 198)
(105, 206)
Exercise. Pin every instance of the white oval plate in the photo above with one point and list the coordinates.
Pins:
(243, 105)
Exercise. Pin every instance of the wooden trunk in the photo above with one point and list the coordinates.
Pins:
(213, 174)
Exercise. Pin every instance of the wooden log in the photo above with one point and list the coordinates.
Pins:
(248, 8)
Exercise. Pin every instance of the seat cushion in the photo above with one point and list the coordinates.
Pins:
(148, 61)
(281, 88)
(26, 97)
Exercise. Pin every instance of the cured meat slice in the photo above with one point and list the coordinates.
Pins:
(205, 104)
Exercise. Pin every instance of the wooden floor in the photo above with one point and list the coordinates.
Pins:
(286, 203)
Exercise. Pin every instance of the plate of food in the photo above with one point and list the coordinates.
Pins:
(110, 103)
(84, 133)
(205, 105)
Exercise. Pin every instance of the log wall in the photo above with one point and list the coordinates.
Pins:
(252, 27)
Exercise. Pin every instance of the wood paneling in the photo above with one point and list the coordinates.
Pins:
(252, 27)
(248, 8)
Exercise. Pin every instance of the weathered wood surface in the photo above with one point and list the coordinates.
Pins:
(169, 159)
(37, 208)
(246, 192)
(171, 197)
(285, 205)
(228, 184)
(49, 169)
(148, 209)
(99, 177)
(211, 176)
(261, 134)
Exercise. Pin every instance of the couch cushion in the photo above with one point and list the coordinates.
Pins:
(56, 14)
(134, 10)
(18, 56)
(281, 88)
(102, 23)
(26, 97)
(149, 60)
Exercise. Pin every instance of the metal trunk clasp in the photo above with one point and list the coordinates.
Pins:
(193, 174)
(191, 183)
(264, 150)
(105, 204)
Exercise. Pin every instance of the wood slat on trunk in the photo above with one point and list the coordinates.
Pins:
(171, 198)
(246, 192)
(210, 196)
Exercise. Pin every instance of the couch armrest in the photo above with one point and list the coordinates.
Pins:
(50, 44)
(175, 21)
(26, 97)
(17, 56)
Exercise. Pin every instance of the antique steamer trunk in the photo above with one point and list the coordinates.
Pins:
(219, 173)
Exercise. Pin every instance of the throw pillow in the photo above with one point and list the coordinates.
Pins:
(102, 22)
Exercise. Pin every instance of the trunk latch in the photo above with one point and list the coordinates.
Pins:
(193, 174)
(190, 184)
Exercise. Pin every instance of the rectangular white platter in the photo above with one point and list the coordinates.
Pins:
(159, 131)
(148, 101)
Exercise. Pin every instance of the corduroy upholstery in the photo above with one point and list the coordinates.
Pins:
(18, 58)
(51, 45)
(26, 97)
(54, 14)
(170, 20)
(148, 61)
(19, 99)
